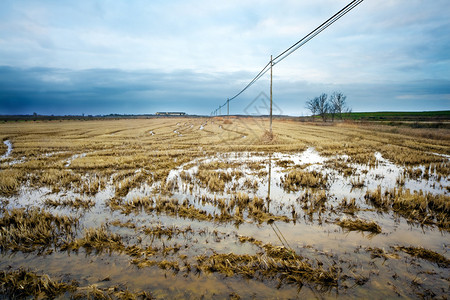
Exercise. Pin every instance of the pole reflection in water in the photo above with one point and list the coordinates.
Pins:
(272, 223)
(269, 182)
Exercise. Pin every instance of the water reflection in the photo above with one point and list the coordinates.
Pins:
(269, 182)
(272, 223)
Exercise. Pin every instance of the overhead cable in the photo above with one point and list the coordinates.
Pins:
(296, 46)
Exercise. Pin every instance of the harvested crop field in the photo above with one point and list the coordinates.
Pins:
(219, 208)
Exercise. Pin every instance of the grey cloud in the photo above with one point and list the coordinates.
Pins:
(104, 91)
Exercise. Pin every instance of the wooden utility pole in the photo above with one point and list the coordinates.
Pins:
(228, 107)
(271, 65)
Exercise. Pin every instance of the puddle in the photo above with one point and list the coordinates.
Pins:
(441, 155)
(69, 161)
(8, 150)
(17, 161)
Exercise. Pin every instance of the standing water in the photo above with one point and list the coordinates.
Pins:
(8, 151)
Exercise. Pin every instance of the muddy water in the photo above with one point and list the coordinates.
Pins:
(315, 237)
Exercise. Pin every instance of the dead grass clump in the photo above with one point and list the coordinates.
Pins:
(10, 181)
(169, 265)
(137, 251)
(297, 179)
(381, 253)
(114, 203)
(171, 207)
(378, 199)
(244, 239)
(424, 208)
(130, 182)
(92, 185)
(257, 212)
(57, 179)
(114, 292)
(415, 153)
(216, 165)
(32, 229)
(185, 176)
(158, 231)
(227, 121)
(441, 170)
(136, 205)
(349, 206)
(185, 210)
(426, 254)
(357, 183)
(359, 225)
(255, 208)
(364, 157)
(285, 163)
(251, 185)
(21, 284)
(99, 239)
(276, 262)
(256, 204)
(76, 203)
(164, 264)
(213, 180)
(239, 199)
(255, 165)
(340, 166)
(313, 202)
(414, 173)
(128, 224)
(268, 137)
(143, 262)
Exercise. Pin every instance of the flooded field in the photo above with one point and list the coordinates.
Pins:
(217, 208)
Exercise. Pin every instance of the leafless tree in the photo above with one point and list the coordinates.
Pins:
(338, 104)
(313, 105)
(319, 106)
(323, 106)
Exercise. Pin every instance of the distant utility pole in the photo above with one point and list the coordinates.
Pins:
(228, 106)
(271, 65)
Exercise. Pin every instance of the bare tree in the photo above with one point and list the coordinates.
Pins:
(338, 104)
(323, 107)
(313, 105)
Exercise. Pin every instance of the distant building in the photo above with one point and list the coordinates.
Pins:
(170, 113)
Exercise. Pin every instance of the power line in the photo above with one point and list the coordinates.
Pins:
(262, 72)
(295, 47)
(317, 30)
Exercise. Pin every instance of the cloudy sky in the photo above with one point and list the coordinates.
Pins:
(137, 56)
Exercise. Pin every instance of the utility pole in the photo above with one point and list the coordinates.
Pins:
(228, 107)
(271, 65)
